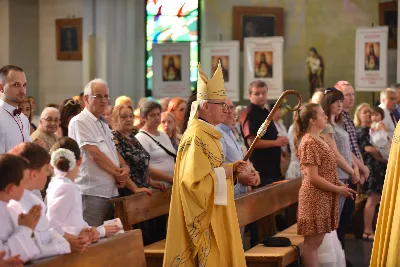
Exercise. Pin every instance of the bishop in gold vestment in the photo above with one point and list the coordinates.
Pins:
(203, 228)
(386, 251)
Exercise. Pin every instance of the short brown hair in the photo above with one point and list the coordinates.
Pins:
(12, 170)
(6, 69)
(33, 153)
(257, 84)
(147, 106)
(116, 113)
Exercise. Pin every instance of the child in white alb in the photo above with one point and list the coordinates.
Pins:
(50, 241)
(378, 132)
(64, 200)
(16, 238)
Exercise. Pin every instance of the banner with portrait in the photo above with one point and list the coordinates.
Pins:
(371, 59)
(227, 53)
(171, 66)
(263, 60)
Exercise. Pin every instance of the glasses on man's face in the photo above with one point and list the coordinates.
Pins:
(100, 97)
(222, 104)
(51, 120)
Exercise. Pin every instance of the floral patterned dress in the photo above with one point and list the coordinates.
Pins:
(136, 157)
(318, 210)
(377, 169)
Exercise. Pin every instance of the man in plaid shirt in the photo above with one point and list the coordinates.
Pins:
(348, 102)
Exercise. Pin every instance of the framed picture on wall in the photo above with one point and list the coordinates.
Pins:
(256, 21)
(388, 17)
(69, 39)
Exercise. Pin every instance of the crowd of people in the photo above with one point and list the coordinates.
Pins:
(59, 170)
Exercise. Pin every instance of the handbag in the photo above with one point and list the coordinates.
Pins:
(160, 145)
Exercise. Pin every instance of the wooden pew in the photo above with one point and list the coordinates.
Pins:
(141, 207)
(261, 203)
(121, 250)
(275, 256)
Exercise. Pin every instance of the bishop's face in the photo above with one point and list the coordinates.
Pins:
(217, 110)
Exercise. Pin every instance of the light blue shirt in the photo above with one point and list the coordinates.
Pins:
(230, 146)
(232, 152)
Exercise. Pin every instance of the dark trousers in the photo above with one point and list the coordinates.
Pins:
(345, 217)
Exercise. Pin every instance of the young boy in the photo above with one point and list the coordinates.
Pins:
(50, 241)
(16, 239)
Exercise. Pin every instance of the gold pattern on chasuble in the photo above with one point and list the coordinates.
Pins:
(216, 157)
(396, 138)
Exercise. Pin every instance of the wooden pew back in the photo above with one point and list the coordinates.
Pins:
(120, 250)
(141, 207)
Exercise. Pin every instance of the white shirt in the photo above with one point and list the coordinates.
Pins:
(390, 125)
(13, 129)
(49, 241)
(15, 239)
(86, 129)
(64, 203)
(159, 159)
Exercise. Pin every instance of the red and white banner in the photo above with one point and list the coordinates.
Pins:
(371, 59)
(263, 60)
(171, 67)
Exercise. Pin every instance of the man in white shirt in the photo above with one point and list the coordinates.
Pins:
(14, 126)
(388, 104)
(102, 168)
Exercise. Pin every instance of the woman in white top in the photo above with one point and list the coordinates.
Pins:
(64, 200)
(158, 144)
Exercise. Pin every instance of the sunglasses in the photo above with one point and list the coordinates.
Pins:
(72, 102)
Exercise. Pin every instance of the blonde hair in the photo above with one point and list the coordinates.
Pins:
(123, 100)
(116, 114)
(171, 115)
(357, 121)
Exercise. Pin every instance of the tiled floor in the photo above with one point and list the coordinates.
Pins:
(358, 252)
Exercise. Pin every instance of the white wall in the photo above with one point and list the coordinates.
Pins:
(58, 80)
(4, 22)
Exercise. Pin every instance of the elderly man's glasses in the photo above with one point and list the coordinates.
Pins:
(100, 97)
(222, 104)
(51, 120)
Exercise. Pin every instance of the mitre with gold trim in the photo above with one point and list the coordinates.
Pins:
(208, 89)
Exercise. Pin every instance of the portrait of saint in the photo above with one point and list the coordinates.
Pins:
(224, 65)
(263, 62)
(371, 56)
(314, 70)
(171, 68)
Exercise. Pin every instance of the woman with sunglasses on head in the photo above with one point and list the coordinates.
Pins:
(69, 108)
(318, 212)
(338, 139)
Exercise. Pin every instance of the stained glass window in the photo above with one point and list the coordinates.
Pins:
(172, 21)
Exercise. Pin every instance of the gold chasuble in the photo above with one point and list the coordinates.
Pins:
(200, 232)
(386, 251)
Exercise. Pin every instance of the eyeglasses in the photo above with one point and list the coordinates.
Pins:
(222, 104)
(101, 97)
(72, 102)
(51, 120)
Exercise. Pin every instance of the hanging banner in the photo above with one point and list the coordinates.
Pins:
(263, 60)
(171, 66)
(371, 59)
(227, 53)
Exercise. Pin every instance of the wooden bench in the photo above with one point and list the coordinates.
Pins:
(121, 250)
(275, 256)
(260, 204)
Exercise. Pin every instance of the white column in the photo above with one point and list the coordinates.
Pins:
(117, 30)
(5, 34)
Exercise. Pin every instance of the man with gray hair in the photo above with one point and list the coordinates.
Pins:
(388, 104)
(102, 169)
